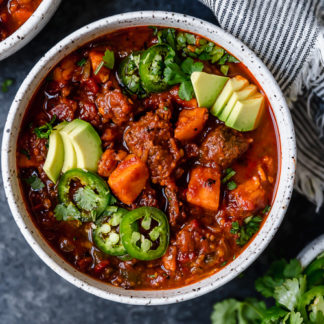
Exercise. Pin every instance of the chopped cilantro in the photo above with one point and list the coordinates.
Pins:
(165, 108)
(224, 263)
(250, 226)
(66, 213)
(266, 209)
(101, 64)
(229, 174)
(6, 84)
(109, 59)
(231, 185)
(82, 62)
(26, 153)
(44, 131)
(86, 198)
(224, 69)
(35, 183)
(175, 74)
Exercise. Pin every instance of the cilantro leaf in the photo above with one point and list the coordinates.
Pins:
(109, 59)
(232, 311)
(66, 213)
(6, 84)
(186, 90)
(289, 292)
(190, 38)
(293, 318)
(44, 131)
(274, 314)
(86, 198)
(317, 310)
(250, 227)
(188, 66)
(173, 74)
(35, 182)
(82, 62)
(292, 269)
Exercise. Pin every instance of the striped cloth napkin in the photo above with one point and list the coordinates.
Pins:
(288, 37)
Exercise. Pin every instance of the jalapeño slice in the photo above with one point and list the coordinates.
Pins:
(152, 221)
(90, 199)
(128, 73)
(152, 65)
(106, 236)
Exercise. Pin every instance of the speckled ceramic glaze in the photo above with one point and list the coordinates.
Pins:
(311, 251)
(26, 32)
(287, 160)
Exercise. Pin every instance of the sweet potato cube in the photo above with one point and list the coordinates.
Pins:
(190, 123)
(204, 188)
(129, 178)
(100, 73)
(250, 195)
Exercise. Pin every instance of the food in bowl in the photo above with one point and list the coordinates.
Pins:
(148, 158)
(14, 13)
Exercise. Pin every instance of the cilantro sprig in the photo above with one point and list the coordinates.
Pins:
(35, 182)
(175, 74)
(108, 60)
(44, 131)
(296, 299)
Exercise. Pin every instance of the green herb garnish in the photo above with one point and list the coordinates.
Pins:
(86, 198)
(175, 74)
(231, 185)
(35, 183)
(66, 213)
(101, 64)
(249, 227)
(44, 131)
(82, 62)
(6, 84)
(296, 301)
(229, 174)
(109, 59)
(25, 152)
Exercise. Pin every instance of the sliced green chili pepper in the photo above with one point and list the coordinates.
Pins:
(129, 73)
(152, 65)
(307, 299)
(91, 198)
(151, 221)
(106, 235)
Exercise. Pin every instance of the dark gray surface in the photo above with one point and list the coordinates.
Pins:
(32, 293)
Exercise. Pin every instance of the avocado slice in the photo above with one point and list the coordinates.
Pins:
(243, 94)
(86, 143)
(246, 114)
(234, 84)
(207, 87)
(55, 156)
(70, 161)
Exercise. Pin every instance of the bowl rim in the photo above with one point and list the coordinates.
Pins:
(27, 31)
(311, 251)
(287, 160)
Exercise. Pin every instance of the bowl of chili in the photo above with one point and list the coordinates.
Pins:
(181, 214)
(21, 21)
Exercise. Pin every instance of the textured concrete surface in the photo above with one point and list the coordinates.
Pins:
(32, 293)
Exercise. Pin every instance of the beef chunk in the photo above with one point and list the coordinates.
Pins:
(115, 106)
(151, 139)
(222, 146)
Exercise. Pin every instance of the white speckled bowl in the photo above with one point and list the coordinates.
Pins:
(287, 159)
(26, 32)
(311, 251)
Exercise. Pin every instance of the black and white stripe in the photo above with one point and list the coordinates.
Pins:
(285, 34)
